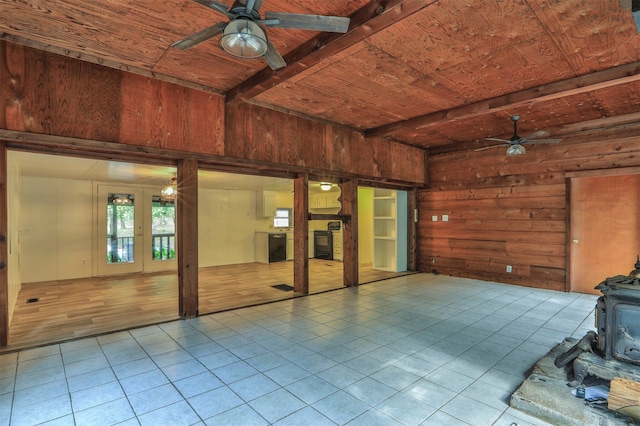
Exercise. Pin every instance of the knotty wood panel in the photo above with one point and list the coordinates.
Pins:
(51, 94)
(511, 211)
(261, 134)
(164, 115)
(45, 93)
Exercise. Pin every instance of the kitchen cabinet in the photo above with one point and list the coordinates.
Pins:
(337, 245)
(389, 230)
(289, 245)
(323, 200)
(265, 203)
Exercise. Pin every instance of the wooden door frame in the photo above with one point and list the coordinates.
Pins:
(4, 228)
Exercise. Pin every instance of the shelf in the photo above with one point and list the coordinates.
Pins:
(389, 230)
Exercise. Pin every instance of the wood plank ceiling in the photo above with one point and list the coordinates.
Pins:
(442, 75)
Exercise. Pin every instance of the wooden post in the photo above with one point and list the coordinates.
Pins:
(350, 233)
(301, 235)
(4, 253)
(187, 238)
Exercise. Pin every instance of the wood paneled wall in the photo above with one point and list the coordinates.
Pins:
(262, 134)
(511, 210)
(55, 95)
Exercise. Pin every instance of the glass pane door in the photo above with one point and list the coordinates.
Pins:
(119, 230)
(160, 243)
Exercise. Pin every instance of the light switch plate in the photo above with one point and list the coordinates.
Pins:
(434, 218)
(445, 218)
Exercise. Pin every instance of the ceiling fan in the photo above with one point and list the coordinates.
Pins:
(515, 143)
(244, 37)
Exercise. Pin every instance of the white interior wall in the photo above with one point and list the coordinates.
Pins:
(13, 238)
(227, 224)
(55, 229)
(365, 225)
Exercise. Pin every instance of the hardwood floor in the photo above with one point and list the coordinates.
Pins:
(71, 309)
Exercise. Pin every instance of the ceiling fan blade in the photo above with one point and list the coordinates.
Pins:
(335, 24)
(537, 141)
(507, 141)
(200, 36)
(492, 146)
(538, 134)
(257, 4)
(273, 58)
(215, 5)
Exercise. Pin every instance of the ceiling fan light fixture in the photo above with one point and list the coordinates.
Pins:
(516, 149)
(243, 38)
(325, 186)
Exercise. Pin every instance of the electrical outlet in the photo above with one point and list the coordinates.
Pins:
(445, 218)
(434, 218)
(509, 268)
(433, 260)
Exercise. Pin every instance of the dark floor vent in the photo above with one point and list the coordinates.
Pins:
(33, 300)
(283, 287)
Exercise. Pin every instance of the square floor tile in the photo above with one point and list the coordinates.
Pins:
(311, 389)
(276, 405)
(113, 412)
(370, 391)
(340, 407)
(254, 387)
(176, 414)
(152, 399)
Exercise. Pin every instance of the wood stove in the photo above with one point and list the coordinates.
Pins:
(614, 349)
(618, 318)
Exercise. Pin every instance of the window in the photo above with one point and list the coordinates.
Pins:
(282, 218)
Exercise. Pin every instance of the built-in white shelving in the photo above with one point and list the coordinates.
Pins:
(389, 230)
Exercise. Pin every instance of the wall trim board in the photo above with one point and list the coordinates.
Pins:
(603, 172)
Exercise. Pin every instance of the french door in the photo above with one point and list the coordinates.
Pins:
(135, 232)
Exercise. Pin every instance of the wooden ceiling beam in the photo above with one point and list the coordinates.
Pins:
(622, 74)
(370, 19)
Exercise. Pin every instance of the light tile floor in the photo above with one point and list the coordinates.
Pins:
(415, 350)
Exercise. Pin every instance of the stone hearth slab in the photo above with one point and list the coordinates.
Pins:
(546, 395)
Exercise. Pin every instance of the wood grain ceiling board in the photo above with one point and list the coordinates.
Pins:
(450, 33)
(367, 80)
(208, 65)
(619, 100)
(114, 31)
(593, 35)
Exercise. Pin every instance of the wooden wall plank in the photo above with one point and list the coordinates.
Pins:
(50, 94)
(511, 211)
(256, 133)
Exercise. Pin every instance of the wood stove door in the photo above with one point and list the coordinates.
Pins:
(604, 234)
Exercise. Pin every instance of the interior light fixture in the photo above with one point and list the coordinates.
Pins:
(121, 199)
(243, 38)
(516, 149)
(325, 186)
(170, 192)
